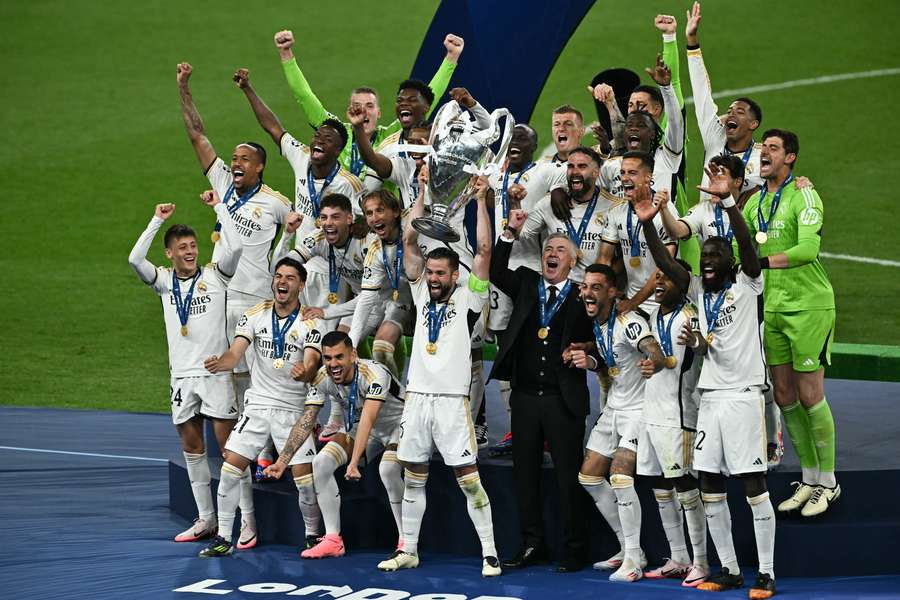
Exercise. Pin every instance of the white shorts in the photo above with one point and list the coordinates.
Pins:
(480, 329)
(315, 293)
(400, 312)
(373, 321)
(615, 429)
(500, 311)
(236, 305)
(258, 423)
(731, 432)
(437, 421)
(207, 395)
(664, 450)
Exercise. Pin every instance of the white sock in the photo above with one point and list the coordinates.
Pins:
(670, 514)
(228, 493)
(605, 500)
(246, 498)
(827, 479)
(773, 420)
(718, 521)
(695, 515)
(505, 393)
(198, 473)
(328, 495)
(413, 509)
(391, 472)
(764, 530)
(383, 352)
(810, 475)
(479, 506)
(309, 507)
(629, 514)
(476, 390)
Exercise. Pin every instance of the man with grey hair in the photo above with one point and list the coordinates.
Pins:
(549, 399)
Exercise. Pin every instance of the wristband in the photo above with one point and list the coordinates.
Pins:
(764, 263)
(514, 232)
(727, 202)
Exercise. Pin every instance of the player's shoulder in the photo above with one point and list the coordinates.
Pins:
(275, 195)
(612, 198)
(321, 376)
(389, 140)
(260, 308)
(809, 196)
(352, 180)
(371, 371)
(690, 310)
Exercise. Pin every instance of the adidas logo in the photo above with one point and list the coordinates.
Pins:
(466, 453)
(809, 362)
(758, 461)
(675, 467)
(634, 441)
(310, 452)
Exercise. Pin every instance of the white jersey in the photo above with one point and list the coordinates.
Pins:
(701, 221)
(348, 260)
(258, 222)
(375, 382)
(669, 395)
(344, 182)
(627, 389)
(618, 232)
(711, 129)
(542, 222)
(404, 175)
(449, 369)
(270, 386)
(380, 273)
(542, 178)
(735, 358)
(206, 335)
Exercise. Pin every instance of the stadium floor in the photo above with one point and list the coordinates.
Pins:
(95, 523)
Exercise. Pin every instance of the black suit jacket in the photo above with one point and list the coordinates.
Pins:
(521, 285)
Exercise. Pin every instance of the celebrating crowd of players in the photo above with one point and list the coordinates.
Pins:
(577, 270)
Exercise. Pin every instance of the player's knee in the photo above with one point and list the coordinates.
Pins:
(754, 484)
(686, 483)
(689, 499)
(415, 479)
(663, 496)
(590, 481)
(472, 488)
(712, 483)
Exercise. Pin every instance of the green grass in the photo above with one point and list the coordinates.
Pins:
(95, 140)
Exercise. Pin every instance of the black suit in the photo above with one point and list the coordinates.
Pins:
(549, 400)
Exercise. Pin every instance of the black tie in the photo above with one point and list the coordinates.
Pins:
(552, 297)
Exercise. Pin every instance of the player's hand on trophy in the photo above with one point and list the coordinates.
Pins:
(462, 95)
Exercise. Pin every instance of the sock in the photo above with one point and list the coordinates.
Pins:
(773, 420)
(764, 530)
(383, 352)
(695, 515)
(391, 472)
(797, 421)
(228, 493)
(328, 495)
(198, 473)
(267, 454)
(505, 393)
(479, 506)
(605, 500)
(821, 426)
(476, 389)
(413, 509)
(718, 520)
(309, 508)
(629, 514)
(670, 514)
(246, 498)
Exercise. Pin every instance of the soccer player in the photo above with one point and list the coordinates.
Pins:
(630, 355)
(316, 167)
(366, 399)
(257, 211)
(731, 436)
(365, 98)
(193, 300)
(284, 358)
(567, 129)
(799, 310)
(436, 412)
(624, 230)
(666, 441)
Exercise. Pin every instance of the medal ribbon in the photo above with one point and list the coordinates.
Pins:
(237, 203)
(279, 332)
(665, 330)
(351, 399)
(183, 307)
(314, 197)
(435, 318)
(764, 225)
(545, 313)
(606, 349)
(588, 213)
(393, 278)
(334, 273)
(504, 194)
(356, 162)
(712, 308)
(721, 229)
(634, 235)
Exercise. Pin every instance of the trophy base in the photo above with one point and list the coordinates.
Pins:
(435, 229)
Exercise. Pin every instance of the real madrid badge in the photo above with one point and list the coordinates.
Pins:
(257, 212)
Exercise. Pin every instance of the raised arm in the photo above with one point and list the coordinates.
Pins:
(481, 266)
(722, 185)
(668, 25)
(137, 258)
(232, 247)
(674, 136)
(438, 84)
(303, 94)
(206, 154)
(676, 228)
(380, 163)
(264, 115)
(286, 246)
(465, 99)
(413, 262)
(646, 210)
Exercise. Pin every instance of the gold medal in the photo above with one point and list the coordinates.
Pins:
(504, 223)
(395, 295)
(635, 261)
(278, 363)
(613, 371)
(671, 362)
(431, 347)
(332, 298)
(543, 332)
(184, 330)
(762, 237)
(215, 236)
(709, 338)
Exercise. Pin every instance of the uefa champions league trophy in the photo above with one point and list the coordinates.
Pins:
(458, 151)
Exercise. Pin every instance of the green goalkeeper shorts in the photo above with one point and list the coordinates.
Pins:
(802, 338)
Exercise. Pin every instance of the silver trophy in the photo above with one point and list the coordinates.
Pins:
(459, 151)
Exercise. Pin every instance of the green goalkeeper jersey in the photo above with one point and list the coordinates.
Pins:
(316, 113)
(796, 231)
